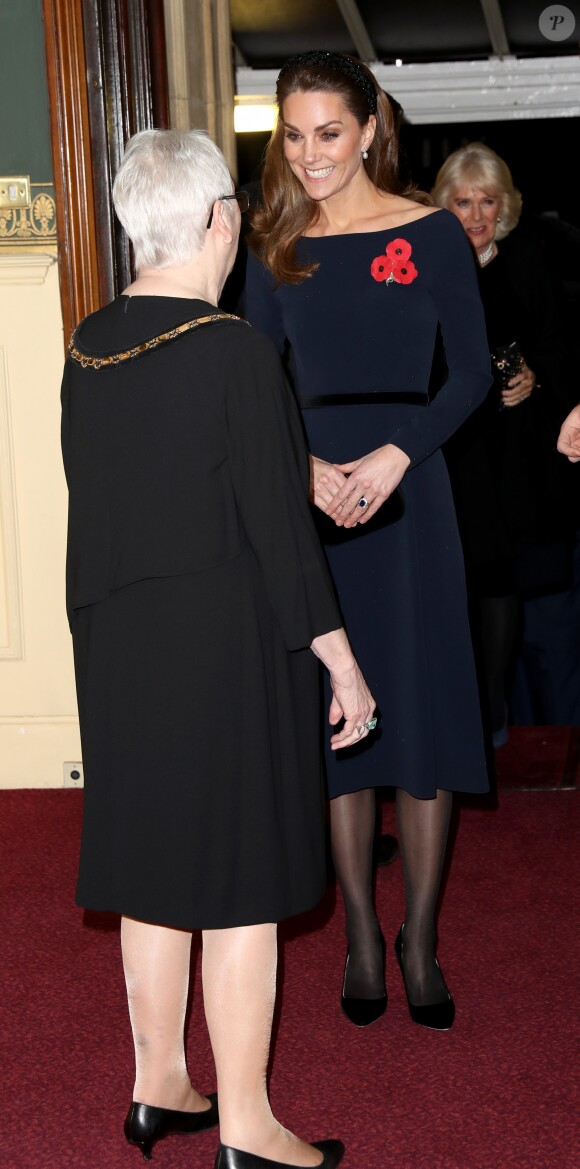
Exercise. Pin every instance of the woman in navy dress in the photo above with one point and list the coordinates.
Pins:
(371, 290)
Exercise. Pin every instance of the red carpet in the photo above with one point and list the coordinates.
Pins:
(539, 758)
(496, 1092)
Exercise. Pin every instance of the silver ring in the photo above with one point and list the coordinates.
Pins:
(363, 502)
(521, 397)
(370, 726)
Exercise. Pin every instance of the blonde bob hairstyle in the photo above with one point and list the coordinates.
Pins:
(163, 193)
(477, 165)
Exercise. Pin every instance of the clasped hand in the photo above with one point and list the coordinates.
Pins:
(337, 488)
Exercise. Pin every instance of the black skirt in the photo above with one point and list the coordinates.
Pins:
(204, 801)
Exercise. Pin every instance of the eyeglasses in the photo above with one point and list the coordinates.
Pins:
(242, 199)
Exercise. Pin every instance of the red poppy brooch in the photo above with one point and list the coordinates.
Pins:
(396, 265)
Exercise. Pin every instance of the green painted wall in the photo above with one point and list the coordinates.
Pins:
(24, 118)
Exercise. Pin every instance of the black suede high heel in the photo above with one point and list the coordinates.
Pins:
(228, 1158)
(363, 1012)
(437, 1016)
(145, 1124)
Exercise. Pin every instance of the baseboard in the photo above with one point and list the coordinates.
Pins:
(34, 749)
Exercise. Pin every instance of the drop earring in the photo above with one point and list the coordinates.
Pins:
(365, 154)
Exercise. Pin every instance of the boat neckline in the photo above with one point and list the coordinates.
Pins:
(376, 230)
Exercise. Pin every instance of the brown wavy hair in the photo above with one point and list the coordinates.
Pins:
(287, 211)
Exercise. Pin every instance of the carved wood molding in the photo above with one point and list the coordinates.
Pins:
(127, 92)
(109, 121)
(158, 56)
(107, 79)
(71, 154)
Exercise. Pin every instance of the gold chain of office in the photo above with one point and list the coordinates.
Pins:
(89, 362)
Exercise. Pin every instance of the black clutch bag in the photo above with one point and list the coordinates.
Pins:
(507, 361)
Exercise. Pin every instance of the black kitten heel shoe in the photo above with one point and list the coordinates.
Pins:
(228, 1158)
(363, 1012)
(437, 1016)
(144, 1124)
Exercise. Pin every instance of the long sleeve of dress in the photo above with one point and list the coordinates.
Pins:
(455, 292)
(348, 334)
(270, 476)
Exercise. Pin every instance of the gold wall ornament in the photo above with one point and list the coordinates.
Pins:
(30, 228)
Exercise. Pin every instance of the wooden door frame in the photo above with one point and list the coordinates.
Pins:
(71, 158)
(107, 79)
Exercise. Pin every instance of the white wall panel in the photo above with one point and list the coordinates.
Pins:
(38, 714)
(11, 641)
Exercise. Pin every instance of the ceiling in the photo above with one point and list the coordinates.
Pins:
(471, 69)
(266, 32)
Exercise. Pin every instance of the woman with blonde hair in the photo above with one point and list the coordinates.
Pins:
(481, 165)
(508, 486)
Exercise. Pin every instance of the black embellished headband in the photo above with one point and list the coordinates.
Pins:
(338, 62)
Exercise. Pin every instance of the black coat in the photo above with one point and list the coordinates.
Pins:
(514, 493)
(196, 583)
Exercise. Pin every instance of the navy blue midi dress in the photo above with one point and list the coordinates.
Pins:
(363, 351)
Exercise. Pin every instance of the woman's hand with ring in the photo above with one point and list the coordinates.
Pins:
(519, 387)
(352, 701)
(371, 725)
(371, 479)
(351, 697)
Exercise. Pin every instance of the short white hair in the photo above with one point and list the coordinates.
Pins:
(164, 191)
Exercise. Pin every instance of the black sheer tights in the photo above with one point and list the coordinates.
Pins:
(352, 829)
(423, 828)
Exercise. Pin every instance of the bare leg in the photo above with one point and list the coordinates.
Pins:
(423, 830)
(156, 964)
(239, 988)
(352, 824)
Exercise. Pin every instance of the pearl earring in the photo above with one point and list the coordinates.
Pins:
(365, 153)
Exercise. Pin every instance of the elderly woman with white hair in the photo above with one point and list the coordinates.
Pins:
(199, 600)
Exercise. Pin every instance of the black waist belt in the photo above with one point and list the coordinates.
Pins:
(363, 400)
